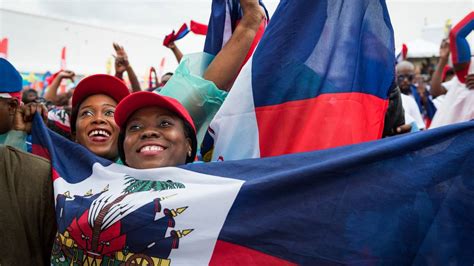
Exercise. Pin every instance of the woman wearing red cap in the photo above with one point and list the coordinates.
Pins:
(92, 117)
(155, 131)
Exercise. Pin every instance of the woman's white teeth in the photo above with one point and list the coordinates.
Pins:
(151, 148)
(99, 132)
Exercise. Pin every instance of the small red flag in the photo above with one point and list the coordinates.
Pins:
(198, 28)
(63, 58)
(4, 48)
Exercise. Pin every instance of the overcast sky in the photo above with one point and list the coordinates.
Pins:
(129, 15)
(152, 16)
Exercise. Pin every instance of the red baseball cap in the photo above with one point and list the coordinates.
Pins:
(138, 100)
(100, 84)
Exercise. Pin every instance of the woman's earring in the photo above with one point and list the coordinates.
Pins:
(189, 153)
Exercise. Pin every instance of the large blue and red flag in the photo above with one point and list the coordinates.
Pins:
(319, 78)
(405, 200)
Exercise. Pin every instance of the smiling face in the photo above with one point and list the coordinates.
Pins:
(154, 137)
(95, 126)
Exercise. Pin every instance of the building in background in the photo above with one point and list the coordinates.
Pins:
(38, 29)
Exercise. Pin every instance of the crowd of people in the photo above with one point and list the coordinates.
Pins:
(145, 128)
(424, 89)
(140, 129)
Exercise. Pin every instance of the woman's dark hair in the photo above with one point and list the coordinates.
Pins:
(188, 133)
(73, 117)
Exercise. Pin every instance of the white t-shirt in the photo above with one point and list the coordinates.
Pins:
(453, 83)
(457, 106)
(412, 112)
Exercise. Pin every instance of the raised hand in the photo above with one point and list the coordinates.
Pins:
(253, 14)
(67, 74)
(24, 116)
(470, 81)
(403, 129)
(121, 59)
(122, 64)
(444, 49)
(226, 65)
(52, 91)
(171, 45)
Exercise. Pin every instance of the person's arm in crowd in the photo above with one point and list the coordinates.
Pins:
(436, 88)
(470, 81)
(52, 90)
(421, 89)
(177, 53)
(395, 116)
(226, 65)
(122, 64)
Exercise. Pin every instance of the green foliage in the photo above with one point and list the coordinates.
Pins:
(134, 185)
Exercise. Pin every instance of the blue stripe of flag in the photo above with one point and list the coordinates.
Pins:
(406, 200)
(315, 47)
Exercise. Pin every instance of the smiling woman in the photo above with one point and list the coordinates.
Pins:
(92, 119)
(155, 131)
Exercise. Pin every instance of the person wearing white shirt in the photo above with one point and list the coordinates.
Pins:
(405, 76)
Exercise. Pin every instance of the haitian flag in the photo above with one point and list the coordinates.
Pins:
(225, 16)
(183, 31)
(397, 201)
(319, 78)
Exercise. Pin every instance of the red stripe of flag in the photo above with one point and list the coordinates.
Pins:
(327, 121)
(226, 253)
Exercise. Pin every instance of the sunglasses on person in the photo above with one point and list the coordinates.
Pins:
(403, 77)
